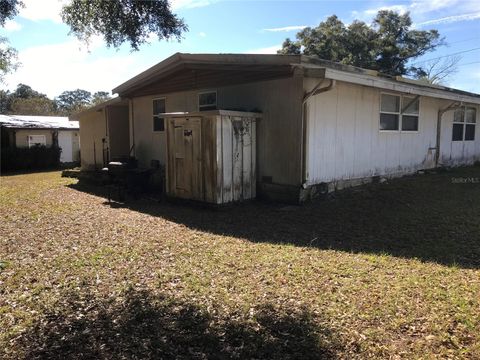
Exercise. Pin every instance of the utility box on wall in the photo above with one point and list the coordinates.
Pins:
(211, 155)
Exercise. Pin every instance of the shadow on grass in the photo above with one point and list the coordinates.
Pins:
(140, 325)
(427, 217)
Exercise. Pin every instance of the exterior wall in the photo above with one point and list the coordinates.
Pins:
(454, 153)
(119, 141)
(92, 131)
(344, 140)
(69, 142)
(21, 136)
(278, 132)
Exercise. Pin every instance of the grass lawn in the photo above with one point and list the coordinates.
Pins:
(388, 271)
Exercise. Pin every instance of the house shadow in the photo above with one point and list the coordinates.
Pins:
(419, 217)
(140, 325)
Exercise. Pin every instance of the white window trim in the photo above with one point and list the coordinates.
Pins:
(465, 123)
(158, 115)
(30, 144)
(400, 114)
(207, 92)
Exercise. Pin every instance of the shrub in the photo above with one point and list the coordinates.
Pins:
(34, 158)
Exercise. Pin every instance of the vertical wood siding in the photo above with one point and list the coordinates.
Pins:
(344, 141)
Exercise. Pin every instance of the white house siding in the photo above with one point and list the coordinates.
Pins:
(278, 132)
(454, 153)
(344, 141)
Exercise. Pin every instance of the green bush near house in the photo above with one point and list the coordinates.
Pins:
(34, 158)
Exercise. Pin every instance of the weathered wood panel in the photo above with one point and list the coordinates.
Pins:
(344, 140)
(226, 150)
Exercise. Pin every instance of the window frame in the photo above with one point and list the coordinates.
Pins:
(400, 113)
(157, 116)
(31, 144)
(207, 92)
(464, 122)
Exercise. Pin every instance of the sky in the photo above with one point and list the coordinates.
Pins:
(53, 61)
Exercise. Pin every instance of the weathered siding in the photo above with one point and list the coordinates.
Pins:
(278, 133)
(21, 136)
(92, 130)
(458, 152)
(344, 141)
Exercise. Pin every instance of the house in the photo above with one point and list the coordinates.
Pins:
(320, 125)
(21, 131)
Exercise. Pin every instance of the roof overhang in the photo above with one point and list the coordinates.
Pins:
(402, 86)
(182, 72)
(194, 69)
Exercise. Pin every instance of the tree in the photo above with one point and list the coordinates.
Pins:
(290, 48)
(25, 92)
(33, 106)
(437, 71)
(100, 97)
(386, 46)
(8, 9)
(8, 55)
(69, 102)
(120, 21)
(8, 58)
(117, 21)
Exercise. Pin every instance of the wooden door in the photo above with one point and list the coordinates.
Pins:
(187, 158)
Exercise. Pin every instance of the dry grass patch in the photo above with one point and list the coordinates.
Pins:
(388, 271)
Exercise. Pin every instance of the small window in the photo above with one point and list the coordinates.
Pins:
(158, 111)
(207, 101)
(37, 140)
(464, 120)
(399, 113)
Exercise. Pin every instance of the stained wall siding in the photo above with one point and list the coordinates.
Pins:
(92, 130)
(21, 136)
(454, 153)
(278, 133)
(344, 141)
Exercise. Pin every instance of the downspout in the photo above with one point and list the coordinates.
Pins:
(132, 148)
(315, 91)
(452, 106)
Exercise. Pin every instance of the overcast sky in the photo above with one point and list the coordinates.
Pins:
(53, 61)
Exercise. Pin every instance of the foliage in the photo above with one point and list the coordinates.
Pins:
(34, 158)
(118, 21)
(100, 97)
(386, 46)
(26, 101)
(122, 21)
(34, 106)
(8, 9)
(73, 101)
(8, 58)
(26, 92)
